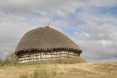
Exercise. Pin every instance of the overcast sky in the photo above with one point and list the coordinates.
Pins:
(92, 24)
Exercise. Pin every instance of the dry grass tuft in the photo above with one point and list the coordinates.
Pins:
(41, 73)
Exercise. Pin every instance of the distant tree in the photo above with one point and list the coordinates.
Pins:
(1, 60)
(12, 57)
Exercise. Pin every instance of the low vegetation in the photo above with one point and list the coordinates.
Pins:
(79, 70)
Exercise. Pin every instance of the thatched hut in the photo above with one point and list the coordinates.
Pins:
(45, 43)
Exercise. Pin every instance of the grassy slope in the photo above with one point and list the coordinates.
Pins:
(82, 70)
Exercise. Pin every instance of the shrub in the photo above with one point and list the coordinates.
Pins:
(10, 59)
(8, 62)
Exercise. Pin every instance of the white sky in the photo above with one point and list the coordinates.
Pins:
(92, 24)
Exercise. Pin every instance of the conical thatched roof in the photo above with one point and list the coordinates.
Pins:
(45, 38)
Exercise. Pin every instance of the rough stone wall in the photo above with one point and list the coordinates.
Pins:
(37, 56)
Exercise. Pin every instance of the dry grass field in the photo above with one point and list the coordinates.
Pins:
(82, 70)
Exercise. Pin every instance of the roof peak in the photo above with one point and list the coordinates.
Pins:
(47, 27)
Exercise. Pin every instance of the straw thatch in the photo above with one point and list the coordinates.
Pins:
(45, 38)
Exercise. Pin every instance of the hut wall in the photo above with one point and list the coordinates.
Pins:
(37, 56)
